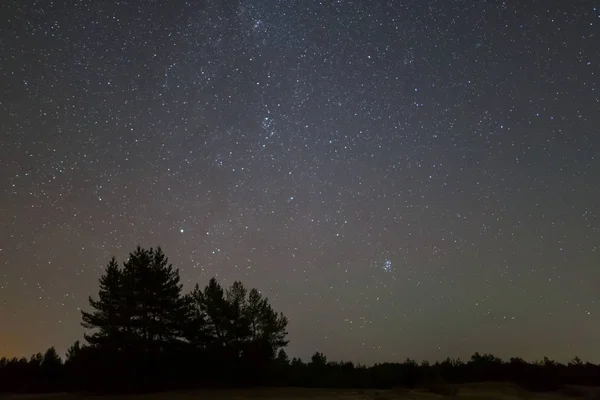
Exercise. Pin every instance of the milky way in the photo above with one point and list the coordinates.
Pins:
(401, 179)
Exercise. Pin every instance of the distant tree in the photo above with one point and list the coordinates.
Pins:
(33, 373)
(297, 362)
(549, 363)
(281, 369)
(410, 363)
(517, 361)
(282, 358)
(51, 371)
(73, 352)
(36, 360)
(318, 359)
(485, 359)
(576, 362)
(51, 359)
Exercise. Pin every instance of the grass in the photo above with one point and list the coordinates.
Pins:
(479, 391)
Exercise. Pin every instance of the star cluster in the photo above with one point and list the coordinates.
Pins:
(401, 179)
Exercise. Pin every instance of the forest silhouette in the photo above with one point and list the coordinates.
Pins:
(144, 334)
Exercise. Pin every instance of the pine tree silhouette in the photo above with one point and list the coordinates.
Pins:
(108, 318)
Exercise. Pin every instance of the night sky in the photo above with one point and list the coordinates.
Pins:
(401, 179)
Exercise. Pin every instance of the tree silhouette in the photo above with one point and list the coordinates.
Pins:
(244, 324)
(73, 351)
(142, 315)
(144, 334)
(212, 314)
(236, 330)
(51, 359)
(140, 307)
(153, 300)
(51, 370)
(282, 358)
(576, 362)
(267, 328)
(318, 360)
(139, 318)
(107, 319)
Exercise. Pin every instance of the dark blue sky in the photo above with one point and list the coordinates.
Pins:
(402, 179)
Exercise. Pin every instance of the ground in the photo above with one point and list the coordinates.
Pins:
(480, 391)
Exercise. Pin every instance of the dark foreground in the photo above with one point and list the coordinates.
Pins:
(480, 391)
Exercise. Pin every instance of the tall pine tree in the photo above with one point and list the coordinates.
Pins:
(153, 294)
(108, 319)
(140, 306)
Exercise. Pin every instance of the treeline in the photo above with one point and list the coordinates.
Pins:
(47, 373)
(539, 376)
(145, 334)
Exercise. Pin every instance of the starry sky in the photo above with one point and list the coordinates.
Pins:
(402, 178)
